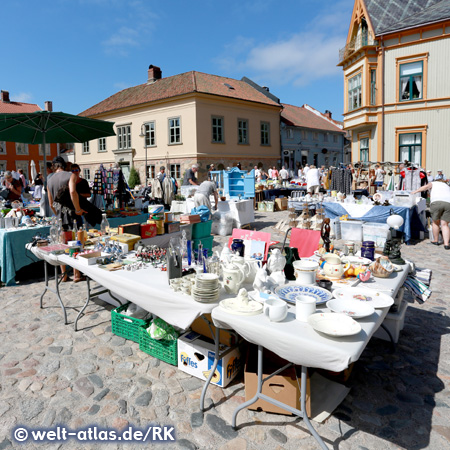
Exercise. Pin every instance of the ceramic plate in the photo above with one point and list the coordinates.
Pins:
(233, 306)
(357, 260)
(290, 292)
(207, 277)
(374, 298)
(334, 324)
(351, 308)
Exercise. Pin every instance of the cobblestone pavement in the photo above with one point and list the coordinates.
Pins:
(51, 375)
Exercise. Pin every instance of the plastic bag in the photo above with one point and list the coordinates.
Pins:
(159, 330)
(223, 223)
(202, 211)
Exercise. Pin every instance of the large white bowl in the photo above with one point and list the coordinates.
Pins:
(351, 308)
(334, 324)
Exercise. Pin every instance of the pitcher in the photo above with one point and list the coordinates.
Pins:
(233, 277)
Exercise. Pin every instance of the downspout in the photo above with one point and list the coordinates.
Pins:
(382, 98)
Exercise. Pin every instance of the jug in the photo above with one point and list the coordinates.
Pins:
(244, 265)
(233, 277)
(226, 254)
(275, 309)
(332, 265)
(213, 264)
(253, 266)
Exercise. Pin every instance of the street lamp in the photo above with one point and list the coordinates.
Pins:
(144, 135)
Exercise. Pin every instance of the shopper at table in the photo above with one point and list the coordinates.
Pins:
(439, 209)
(38, 186)
(189, 176)
(284, 174)
(45, 206)
(13, 185)
(313, 180)
(257, 173)
(275, 173)
(201, 197)
(440, 176)
(306, 169)
(300, 172)
(379, 176)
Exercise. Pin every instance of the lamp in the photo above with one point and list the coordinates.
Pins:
(393, 244)
(144, 135)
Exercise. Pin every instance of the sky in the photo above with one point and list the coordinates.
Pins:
(76, 53)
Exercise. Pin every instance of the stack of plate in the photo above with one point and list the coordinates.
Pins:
(206, 288)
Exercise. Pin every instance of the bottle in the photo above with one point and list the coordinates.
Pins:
(74, 230)
(104, 226)
(80, 236)
(85, 232)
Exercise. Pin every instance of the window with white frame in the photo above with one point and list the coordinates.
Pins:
(2, 147)
(24, 165)
(47, 149)
(175, 170)
(174, 131)
(354, 92)
(2, 166)
(150, 134)
(87, 174)
(217, 129)
(411, 81)
(364, 149)
(21, 148)
(242, 131)
(124, 137)
(410, 147)
(265, 133)
(102, 145)
(373, 86)
(85, 147)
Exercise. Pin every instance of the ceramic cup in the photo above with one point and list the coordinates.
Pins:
(305, 305)
(276, 310)
(305, 272)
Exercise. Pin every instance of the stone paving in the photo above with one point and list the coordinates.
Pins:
(51, 375)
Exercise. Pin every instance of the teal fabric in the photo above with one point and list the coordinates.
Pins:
(13, 254)
(114, 222)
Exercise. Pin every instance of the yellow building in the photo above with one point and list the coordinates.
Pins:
(185, 119)
(396, 82)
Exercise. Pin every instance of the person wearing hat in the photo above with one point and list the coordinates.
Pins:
(440, 176)
(430, 177)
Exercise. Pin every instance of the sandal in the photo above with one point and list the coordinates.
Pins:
(447, 247)
(66, 279)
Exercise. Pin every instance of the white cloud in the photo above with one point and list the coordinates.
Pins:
(24, 97)
(121, 40)
(297, 59)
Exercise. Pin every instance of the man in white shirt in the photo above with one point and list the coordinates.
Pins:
(269, 172)
(440, 176)
(257, 173)
(430, 177)
(313, 180)
(306, 169)
(203, 193)
(284, 174)
(379, 176)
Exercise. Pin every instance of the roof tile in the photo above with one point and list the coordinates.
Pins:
(299, 116)
(18, 107)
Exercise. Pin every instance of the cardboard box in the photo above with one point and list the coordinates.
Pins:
(159, 225)
(281, 204)
(201, 327)
(168, 217)
(130, 239)
(89, 258)
(148, 230)
(172, 227)
(282, 387)
(130, 228)
(196, 357)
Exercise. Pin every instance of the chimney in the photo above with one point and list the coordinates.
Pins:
(266, 88)
(328, 113)
(5, 97)
(49, 106)
(154, 73)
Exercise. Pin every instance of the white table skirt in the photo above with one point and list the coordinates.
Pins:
(148, 288)
(243, 210)
(298, 342)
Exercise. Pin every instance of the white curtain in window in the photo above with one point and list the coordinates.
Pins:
(404, 83)
(416, 154)
(418, 83)
(404, 153)
(407, 139)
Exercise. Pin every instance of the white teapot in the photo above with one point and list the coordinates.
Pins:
(333, 266)
(233, 277)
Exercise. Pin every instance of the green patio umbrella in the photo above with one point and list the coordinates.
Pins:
(45, 127)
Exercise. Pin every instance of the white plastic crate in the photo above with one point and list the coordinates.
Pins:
(376, 232)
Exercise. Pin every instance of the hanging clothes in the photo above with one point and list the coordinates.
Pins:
(168, 191)
(157, 191)
(412, 179)
(341, 181)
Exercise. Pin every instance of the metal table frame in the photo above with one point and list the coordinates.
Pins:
(55, 290)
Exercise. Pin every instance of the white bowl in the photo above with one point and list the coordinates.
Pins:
(351, 308)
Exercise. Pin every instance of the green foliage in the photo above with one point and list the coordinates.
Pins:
(133, 179)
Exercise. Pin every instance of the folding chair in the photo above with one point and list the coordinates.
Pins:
(306, 241)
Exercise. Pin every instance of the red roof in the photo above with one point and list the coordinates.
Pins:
(299, 116)
(18, 107)
(176, 85)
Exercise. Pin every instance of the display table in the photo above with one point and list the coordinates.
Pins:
(13, 254)
(377, 214)
(114, 222)
(300, 344)
(270, 194)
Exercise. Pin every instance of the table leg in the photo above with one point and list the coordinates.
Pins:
(55, 291)
(385, 328)
(214, 367)
(301, 413)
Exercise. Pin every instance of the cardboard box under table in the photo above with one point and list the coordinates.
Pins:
(196, 357)
(281, 204)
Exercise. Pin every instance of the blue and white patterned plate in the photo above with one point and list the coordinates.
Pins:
(290, 292)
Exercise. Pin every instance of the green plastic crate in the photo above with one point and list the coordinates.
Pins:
(201, 230)
(124, 326)
(165, 350)
(262, 206)
(207, 242)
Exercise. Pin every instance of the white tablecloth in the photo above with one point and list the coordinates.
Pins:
(243, 210)
(148, 288)
(298, 342)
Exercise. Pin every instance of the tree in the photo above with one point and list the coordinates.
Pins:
(133, 179)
